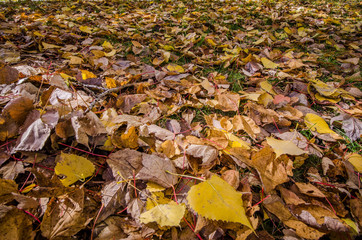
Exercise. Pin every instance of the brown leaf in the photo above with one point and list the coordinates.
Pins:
(272, 171)
(154, 169)
(16, 224)
(8, 75)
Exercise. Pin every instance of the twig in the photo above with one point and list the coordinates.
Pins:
(105, 93)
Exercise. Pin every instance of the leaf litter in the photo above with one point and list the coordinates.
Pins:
(180, 120)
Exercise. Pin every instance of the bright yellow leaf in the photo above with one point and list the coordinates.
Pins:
(87, 74)
(356, 160)
(268, 64)
(215, 199)
(316, 123)
(110, 82)
(73, 168)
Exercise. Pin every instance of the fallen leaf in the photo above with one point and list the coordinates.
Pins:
(175, 68)
(166, 215)
(156, 169)
(316, 123)
(356, 160)
(273, 171)
(268, 64)
(215, 199)
(86, 29)
(284, 147)
(73, 168)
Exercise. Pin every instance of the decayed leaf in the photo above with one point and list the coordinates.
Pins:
(8, 75)
(6, 188)
(351, 125)
(207, 153)
(310, 190)
(16, 224)
(66, 216)
(155, 169)
(215, 199)
(166, 215)
(275, 205)
(284, 147)
(273, 171)
(228, 102)
(73, 168)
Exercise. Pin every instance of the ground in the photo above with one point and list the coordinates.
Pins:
(180, 120)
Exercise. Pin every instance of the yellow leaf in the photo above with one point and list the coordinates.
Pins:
(175, 68)
(168, 47)
(166, 215)
(28, 188)
(154, 187)
(36, 33)
(325, 89)
(356, 160)
(266, 86)
(74, 168)
(157, 61)
(87, 74)
(268, 64)
(111, 53)
(284, 147)
(110, 82)
(351, 224)
(85, 29)
(169, 148)
(316, 123)
(287, 30)
(49, 46)
(321, 98)
(75, 60)
(211, 42)
(130, 139)
(107, 45)
(236, 142)
(215, 199)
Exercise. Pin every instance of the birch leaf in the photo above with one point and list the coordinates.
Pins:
(215, 199)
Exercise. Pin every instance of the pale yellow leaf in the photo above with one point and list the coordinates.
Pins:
(166, 215)
(175, 68)
(74, 60)
(268, 64)
(284, 147)
(49, 46)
